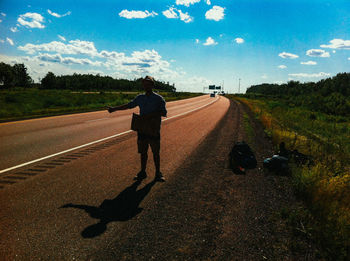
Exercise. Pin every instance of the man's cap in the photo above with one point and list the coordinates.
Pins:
(148, 79)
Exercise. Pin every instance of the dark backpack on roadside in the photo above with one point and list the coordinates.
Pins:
(242, 157)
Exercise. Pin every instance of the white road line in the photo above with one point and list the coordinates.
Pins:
(97, 141)
(97, 120)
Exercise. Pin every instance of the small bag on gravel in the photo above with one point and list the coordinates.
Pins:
(277, 164)
(242, 157)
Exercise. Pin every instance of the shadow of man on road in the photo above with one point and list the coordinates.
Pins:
(122, 208)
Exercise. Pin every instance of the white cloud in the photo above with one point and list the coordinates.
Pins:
(74, 47)
(62, 37)
(3, 14)
(285, 55)
(333, 51)
(349, 58)
(170, 13)
(136, 65)
(38, 69)
(112, 55)
(117, 64)
(0, 21)
(208, 2)
(31, 20)
(13, 59)
(52, 57)
(84, 47)
(58, 15)
(185, 17)
(210, 41)
(317, 53)
(337, 44)
(144, 59)
(121, 67)
(309, 63)
(216, 13)
(239, 40)
(136, 14)
(173, 13)
(9, 40)
(14, 29)
(282, 66)
(197, 41)
(57, 58)
(264, 76)
(143, 62)
(194, 83)
(187, 2)
(311, 75)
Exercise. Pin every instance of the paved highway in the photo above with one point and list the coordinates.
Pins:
(54, 168)
(25, 141)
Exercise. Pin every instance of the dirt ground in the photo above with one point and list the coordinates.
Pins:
(206, 212)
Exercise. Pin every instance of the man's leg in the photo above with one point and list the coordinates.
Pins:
(155, 146)
(142, 145)
(144, 157)
(156, 159)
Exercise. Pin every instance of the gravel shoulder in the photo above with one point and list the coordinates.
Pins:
(205, 211)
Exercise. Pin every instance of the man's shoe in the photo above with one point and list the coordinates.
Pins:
(141, 175)
(159, 177)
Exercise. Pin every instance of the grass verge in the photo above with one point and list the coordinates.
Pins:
(20, 103)
(249, 130)
(324, 185)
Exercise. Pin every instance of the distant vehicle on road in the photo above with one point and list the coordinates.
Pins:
(212, 95)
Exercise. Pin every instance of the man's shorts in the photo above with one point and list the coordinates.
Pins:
(143, 141)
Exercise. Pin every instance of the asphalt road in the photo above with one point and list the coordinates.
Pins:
(27, 140)
(43, 204)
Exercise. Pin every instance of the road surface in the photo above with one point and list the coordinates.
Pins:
(24, 141)
(53, 169)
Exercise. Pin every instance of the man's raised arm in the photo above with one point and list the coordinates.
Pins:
(118, 108)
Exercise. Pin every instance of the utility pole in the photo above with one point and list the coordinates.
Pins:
(239, 85)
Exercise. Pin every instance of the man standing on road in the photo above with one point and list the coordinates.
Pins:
(152, 108)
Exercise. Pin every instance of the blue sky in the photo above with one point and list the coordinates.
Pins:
(192, 43)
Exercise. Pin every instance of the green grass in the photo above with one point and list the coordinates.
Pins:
(249, 130)
(22, 103)
(323, 186)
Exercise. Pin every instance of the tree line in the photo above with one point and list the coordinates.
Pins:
(331, 95)
(17, 76)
